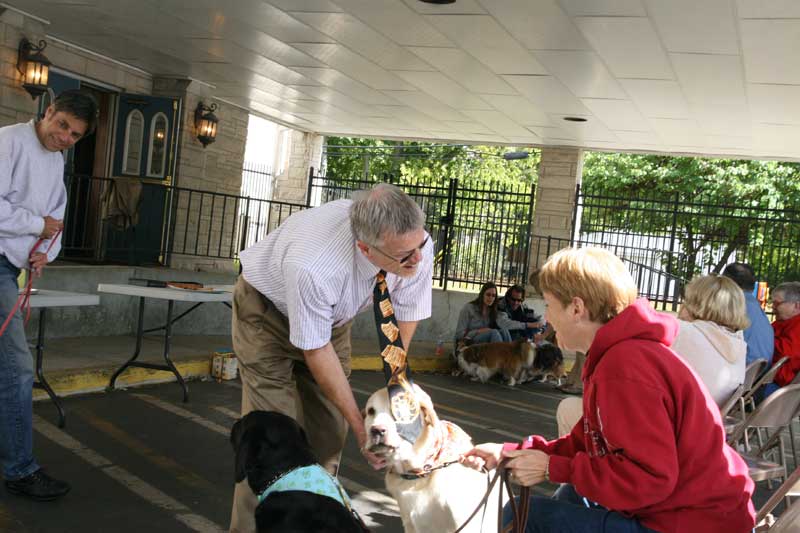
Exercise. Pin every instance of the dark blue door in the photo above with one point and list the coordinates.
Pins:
(145, 146)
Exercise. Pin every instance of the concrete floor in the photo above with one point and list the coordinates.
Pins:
(140, 460)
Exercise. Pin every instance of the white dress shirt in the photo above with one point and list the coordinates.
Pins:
(312, 270)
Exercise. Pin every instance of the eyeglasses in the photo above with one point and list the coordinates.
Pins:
(518, 300)
(408, 257)
(777, 303)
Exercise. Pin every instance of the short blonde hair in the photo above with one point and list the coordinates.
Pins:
(594, 275)
(716, 299)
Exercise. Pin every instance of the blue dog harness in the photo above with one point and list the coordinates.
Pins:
(311, 478)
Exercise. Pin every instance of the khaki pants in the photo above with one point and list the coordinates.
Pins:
(275, 378)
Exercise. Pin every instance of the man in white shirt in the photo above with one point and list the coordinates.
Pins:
(294, 304)
(32, 203)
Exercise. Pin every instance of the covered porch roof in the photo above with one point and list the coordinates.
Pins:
(714, 77)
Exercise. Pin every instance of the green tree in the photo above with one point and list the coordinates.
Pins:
(718, 207)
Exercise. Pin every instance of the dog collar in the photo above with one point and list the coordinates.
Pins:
(311, 478)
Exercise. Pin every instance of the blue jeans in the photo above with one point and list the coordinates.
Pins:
(569, 512)
(16, 384)
(495, 335)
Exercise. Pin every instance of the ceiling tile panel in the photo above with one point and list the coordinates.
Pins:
(444, 89)
(497, 122)
(537, 24)
(548, 93)
(776, 104)
(629, 46)
(604, 8)
(427, 104)
(459, 65)
(486, 40)
(354, 66)
(711, 79)
(582, 72)
(519, 108)
(617, 114)
(657, 98)
(396, 21)
(462, 7)
(706, 27)
(335, 79)
(354, 34)
(758, 9)
(770, 50)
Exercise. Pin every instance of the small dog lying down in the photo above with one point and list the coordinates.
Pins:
(296, 495)
(435, 493)
(516, 362)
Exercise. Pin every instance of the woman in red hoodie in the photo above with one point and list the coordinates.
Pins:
(649, 453)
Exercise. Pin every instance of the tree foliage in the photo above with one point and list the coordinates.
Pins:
(716, 209)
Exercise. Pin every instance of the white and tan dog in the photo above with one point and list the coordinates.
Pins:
(432, 497)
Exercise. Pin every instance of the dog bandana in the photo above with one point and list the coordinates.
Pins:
(404, 404)
(312, 478)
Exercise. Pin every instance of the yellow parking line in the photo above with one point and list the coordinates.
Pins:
(179, 472)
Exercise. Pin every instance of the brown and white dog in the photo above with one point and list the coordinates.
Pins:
(432, 497)
(516, 362)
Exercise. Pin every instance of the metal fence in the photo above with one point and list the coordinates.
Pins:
(169, 221)
(654, 283)
(686, 235)
(481, 231)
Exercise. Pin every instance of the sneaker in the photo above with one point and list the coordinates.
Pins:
(38, 486)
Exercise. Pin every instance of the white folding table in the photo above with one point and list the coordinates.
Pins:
(222, 294)
(42, 300)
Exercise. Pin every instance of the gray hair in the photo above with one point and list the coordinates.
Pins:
(790, 290)
(382, 211)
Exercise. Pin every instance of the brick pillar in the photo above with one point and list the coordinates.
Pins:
(560, 172)
(305, 151)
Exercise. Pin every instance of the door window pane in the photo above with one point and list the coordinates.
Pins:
(134, 135)
(156, 159)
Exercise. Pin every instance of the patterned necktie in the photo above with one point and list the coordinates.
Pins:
(404, 404)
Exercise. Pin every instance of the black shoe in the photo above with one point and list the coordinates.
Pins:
(38, 486)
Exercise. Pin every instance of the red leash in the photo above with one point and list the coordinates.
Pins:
(24, 300)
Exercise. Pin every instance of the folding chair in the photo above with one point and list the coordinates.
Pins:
(790, 487)
(774, 413)
(748, 399)
(731, 422)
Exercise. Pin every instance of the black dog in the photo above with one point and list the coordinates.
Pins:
(267, 446)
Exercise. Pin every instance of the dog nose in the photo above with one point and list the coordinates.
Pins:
(377, 431)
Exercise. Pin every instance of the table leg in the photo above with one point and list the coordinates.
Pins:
(131, 362)
(41, 382)
(167, 339)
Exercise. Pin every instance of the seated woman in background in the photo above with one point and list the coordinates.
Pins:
(710, 338)
(477, 321)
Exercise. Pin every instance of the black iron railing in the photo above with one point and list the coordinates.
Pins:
(481, 230)
(690, 234)
(657, 285)
(164, 221)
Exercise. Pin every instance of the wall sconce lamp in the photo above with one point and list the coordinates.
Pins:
(205, 121)
(34, 67)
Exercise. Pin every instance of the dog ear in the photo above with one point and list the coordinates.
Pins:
(244, 451)
(426, 406)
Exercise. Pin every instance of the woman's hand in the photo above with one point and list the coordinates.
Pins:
(527, 467)
(483, 456)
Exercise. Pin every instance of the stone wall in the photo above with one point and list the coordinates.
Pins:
(560, 172)
(305, 152)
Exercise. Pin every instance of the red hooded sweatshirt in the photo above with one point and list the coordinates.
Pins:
(787, 344)
(651, 443)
